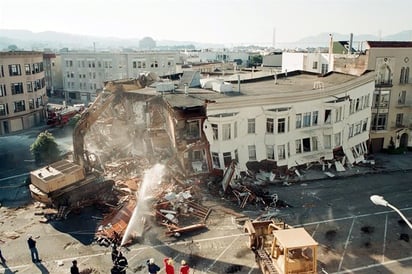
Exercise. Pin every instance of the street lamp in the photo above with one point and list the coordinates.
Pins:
(379, 200)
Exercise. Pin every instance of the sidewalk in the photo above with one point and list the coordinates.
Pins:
(384, 163)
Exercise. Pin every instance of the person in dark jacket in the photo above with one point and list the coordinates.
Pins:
(3, 261)
(152, 267)
(74, 269)
(33, 250)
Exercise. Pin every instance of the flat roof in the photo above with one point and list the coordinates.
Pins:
(295, 88)
(294, 237)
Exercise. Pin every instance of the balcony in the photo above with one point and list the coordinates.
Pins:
(383, 84)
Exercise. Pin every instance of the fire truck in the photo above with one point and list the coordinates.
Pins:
(59, 116)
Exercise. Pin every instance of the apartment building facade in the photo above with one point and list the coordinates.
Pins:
(292, 128)
(84, 73)
(392, 100)
(22, 90)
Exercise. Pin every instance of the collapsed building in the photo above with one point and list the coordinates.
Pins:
(198, 126)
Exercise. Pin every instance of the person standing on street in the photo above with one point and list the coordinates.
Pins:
(3, 261)
(152, 267)
(74, 269)
(33, 250)
(168, 263)
(184, 268)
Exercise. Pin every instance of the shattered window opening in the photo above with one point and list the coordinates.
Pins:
(216, 161)
(227, 158)
(315, 118)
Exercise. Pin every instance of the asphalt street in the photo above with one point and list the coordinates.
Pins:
(354, 235)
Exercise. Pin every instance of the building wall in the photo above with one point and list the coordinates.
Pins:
(310, 62)
(23, 90)
(388, 62)
(84, 73)
(343, 123)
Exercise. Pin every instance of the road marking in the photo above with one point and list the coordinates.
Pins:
(374, 265)
(384, 238)
(221, 254)
(346, 244)
(351, 217)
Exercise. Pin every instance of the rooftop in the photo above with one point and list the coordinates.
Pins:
(390, 44)
(295, 88)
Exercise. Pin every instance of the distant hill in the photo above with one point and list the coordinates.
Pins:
(28, 40)
(322, 39)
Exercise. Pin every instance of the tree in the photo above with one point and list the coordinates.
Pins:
(255, 60)
(45, 149)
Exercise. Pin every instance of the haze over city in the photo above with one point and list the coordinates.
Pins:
(226, 22)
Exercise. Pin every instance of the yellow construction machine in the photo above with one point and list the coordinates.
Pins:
(280, 248)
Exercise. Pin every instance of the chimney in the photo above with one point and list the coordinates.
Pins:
(350, 43)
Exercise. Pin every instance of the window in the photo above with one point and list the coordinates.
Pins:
(269, 125)
(365, 125)
(3, 90)
(29, 87)
(235, 129)
(306, 144)
(227, 158)
(306, 119)
(402, 97)
(270, 152)
(351, 130)
(250, 126)
(314, 143)
(298, 145)
(337, 139)
(215, 159)
(358, 128)
(379, 121)
(16, 88)
(215, 132)
(327, 141)
(281, 125)
(324, 68)
(31, 104)
(3, 108)
(226, 131)
(315, 115)
(281, 152)
(252, 152)
(236, 156)
(1, 71)
(381, 98)
(14, 70)
(338, 111)
(366, 101)
(27, 69)
(315, 65)
(399, 119)
(328, 116)
(404, 78)
(19, 106)
(298, 120)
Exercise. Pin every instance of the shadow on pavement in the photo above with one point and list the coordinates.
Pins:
(42, 268)
(80, 225)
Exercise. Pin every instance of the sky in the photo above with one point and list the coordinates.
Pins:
(209, 21)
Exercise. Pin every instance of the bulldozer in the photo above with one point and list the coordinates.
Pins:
(75, 183)
(280, 248)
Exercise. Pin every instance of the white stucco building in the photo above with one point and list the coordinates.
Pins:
(84, 73)
(299, 120)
